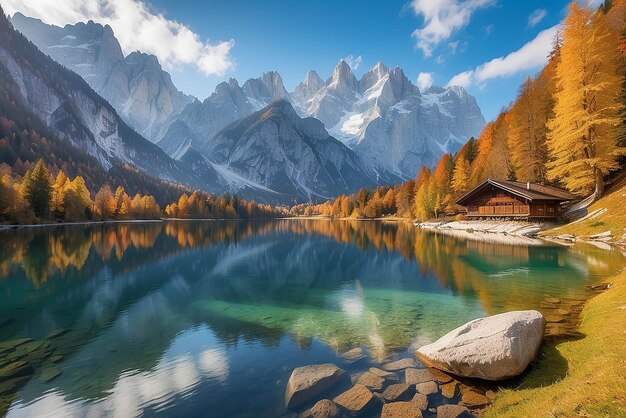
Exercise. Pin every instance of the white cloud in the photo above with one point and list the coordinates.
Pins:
(533, 54)
(463, 79)
(489, 29)
(442, 18)
(424, 80)
(536, 17)
(453, 46)
(137, 28)
(440, 59)
(353, 62)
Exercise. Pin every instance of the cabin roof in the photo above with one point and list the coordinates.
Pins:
(530, 191)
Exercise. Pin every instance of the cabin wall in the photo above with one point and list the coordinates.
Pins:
(495, 202)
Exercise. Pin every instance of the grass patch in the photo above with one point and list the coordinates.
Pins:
(613, 219)
(593, 367)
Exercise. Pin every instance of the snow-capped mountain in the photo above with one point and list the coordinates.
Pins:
(199, 121)
(383, 117)
(136, 85)
(387, 121)
(276, 150)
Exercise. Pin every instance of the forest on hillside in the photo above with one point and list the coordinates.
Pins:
(566, 128)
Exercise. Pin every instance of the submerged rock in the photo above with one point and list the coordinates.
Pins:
(397, 365)
(415, 376)
(57, 333)
(352, 356)
(474, 400)
(50, 373)
(401, 410)
(370, 381)
(398, 392)
(322, 409)
(427, 388)
(492, 348)
(421, 400)
(307, 382)
(452, 411)
(384, 374)
(356, 400)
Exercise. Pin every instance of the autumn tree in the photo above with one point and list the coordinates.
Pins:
(460, 176)
(583, 136)
(38, 190)
(104, 202)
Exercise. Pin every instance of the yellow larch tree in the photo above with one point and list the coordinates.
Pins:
(583, 132)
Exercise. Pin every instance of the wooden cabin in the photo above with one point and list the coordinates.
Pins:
(511, 199)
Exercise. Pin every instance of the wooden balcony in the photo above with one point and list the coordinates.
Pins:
(499, 210)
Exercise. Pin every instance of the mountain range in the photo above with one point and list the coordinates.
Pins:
(256, 139)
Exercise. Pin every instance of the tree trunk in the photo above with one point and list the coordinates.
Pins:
(599, 182)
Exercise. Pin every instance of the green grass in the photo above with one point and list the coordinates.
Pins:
(585, 377)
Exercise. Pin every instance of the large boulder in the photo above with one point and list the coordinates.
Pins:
(307, 382)
(493, 348)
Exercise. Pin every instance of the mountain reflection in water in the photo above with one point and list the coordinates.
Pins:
(181, 316)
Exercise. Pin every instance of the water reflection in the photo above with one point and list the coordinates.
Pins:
(178, 317)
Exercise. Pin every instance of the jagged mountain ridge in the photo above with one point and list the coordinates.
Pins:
(284, 153)
(136, 85)
(383, 117)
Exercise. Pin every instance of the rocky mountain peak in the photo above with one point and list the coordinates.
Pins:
(343, 78)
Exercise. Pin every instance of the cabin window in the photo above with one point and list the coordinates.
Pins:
(551, 209)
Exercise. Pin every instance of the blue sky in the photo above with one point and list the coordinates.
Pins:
(296, 36)
(488, 46)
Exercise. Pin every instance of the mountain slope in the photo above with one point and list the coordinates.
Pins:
(199, 121)
(284, 153)
(136, 85)
(37, 92)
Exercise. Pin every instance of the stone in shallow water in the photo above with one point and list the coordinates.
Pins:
(414, 376)
(57, 333)
(441, 377)
(474, 400)
(492, 348)
(324, 408)
(427, 388)
(490, 394)
(7, 345)
(452, 411)
(15, 369)
(398, 392)
(370, 381)
(552, 299)
(384, 374)
(56, 359)
(421, 400)
(307, 382)
(10, 386)
(352, 356)
(449, 389)
(397, 365)
(50, 373)
(554, 318)
(401, 410)
(356, 400)
(563, 312)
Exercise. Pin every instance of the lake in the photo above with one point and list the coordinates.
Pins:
(189, 318)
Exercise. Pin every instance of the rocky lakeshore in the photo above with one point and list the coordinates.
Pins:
(456, 376)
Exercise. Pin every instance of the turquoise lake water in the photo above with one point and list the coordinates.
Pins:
(209, 318)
